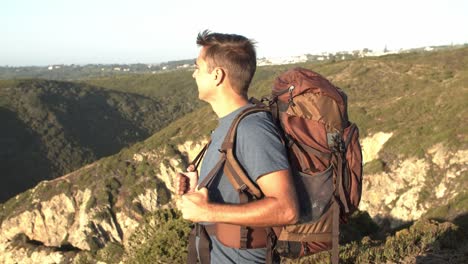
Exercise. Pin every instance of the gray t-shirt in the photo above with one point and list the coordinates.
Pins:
(260, 151)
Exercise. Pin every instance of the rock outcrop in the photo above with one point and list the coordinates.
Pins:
(396, 196)
(71, 221)
(372, 145)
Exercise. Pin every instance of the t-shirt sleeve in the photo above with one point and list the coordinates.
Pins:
(259, 148)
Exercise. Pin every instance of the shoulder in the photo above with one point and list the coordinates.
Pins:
(259, 147)
(258, 129)
(257, 121)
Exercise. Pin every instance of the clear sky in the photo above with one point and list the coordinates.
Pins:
(44, 32)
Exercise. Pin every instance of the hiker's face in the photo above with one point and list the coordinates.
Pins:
(203, 78)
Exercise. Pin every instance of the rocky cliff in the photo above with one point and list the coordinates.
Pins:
(409, 187)
(59, 229)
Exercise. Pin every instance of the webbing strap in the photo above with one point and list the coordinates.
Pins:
(350, 135)
(192, 256)
(341, 189)
(233, 170)
(236, 182)
(337, 162)
(335, 257)
(271, 256)
(204, 246)
(244, 230)
(196, 161)
(212, 174)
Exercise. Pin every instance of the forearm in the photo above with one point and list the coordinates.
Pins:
(278, 207)
(268, 211)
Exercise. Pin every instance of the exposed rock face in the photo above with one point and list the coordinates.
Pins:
(69, 220)
(48, 223)
(128, 224)
(62, 221)
(167, 172)
(10, 254)
(80, 225)
(372, 145)
(396, 194)
(455, 164)
(149, 200)
(397, 190)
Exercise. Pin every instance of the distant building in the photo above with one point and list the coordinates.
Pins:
(281, 60)
(183, 66)
(51, 67)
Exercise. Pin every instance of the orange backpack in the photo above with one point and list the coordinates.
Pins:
(325, 157)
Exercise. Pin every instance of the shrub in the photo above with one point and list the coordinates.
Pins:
(162, 238)
(111, 253)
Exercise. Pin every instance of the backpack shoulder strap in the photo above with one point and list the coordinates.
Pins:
(233, 170)
(247, 189)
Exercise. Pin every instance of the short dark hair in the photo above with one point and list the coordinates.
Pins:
(234, 53)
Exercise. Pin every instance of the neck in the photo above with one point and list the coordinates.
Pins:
(228, 104)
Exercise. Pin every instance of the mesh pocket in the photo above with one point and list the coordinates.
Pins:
(314, 194)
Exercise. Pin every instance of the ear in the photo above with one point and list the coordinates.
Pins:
(219, 76)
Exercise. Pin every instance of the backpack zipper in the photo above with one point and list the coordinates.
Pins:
(290, 101)
(289, 90)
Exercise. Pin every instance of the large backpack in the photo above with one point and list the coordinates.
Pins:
(325, 156)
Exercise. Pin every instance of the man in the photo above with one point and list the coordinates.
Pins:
(224, 69)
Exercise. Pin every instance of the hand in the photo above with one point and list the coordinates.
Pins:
(186, 182)
(194, 206)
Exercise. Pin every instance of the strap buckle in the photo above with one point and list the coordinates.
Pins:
(243, 187)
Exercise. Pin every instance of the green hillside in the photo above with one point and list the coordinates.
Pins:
(420, 97)
(55, 127)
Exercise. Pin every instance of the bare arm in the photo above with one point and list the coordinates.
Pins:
(278, 207)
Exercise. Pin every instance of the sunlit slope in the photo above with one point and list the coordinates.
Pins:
(420, 98)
